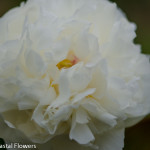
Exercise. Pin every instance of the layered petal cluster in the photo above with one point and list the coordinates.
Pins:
(70, 73)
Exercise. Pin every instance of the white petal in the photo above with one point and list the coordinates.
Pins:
(99, 82)
(26, 103)
(64, 91)
(48, 96)
(121, 92)
(60, 50)
(79, 77)
(38, 116)
(81, 116)
(82, 95)
(34, 63)
(81, 46)
(111, 140)
(80, 132)
(99, 112)
(63, 113)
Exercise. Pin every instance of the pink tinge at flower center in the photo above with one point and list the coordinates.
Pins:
(70, 60)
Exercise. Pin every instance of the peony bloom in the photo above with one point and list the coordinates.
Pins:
(70, 75)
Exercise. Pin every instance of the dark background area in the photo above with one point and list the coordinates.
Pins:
(138, 11)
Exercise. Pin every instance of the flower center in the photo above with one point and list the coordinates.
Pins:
(68, 62)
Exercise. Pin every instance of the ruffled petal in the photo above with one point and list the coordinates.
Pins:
(111, 140)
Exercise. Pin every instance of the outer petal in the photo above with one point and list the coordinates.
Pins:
(11, 135)
(111, 140)
(99, 113)
(99, 82)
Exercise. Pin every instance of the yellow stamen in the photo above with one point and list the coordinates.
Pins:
(50, 83)
(90, 96)
(43, 76)
(55, 86)
(66, 63)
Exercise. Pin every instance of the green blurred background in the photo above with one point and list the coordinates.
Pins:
(138, 11)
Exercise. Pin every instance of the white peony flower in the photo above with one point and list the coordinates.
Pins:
(70, 74)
